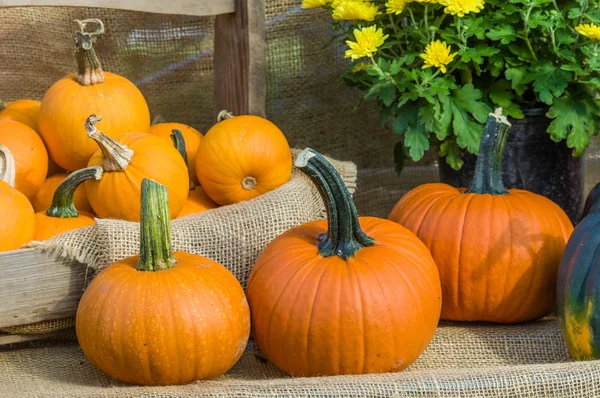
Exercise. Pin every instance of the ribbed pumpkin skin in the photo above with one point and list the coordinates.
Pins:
(315, 315)
(241, 147)
(197, 202)
(186, 323)
(48, 227)
(24, 111)
(117, 194)
(579, 290)
(498, 256)
(191, 136)
(16, 213)
(31, 157)
(67, 105)
(43, 198)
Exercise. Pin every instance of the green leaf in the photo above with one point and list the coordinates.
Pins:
(576, 119)
(574, 13)
(517, 77)
(451, 151)
(387, 94)
(502, 95)
(399, 157)
(396, 66)
(522, 52)
(505, 33)
(548, 80)
(417, 140)
(406, 116)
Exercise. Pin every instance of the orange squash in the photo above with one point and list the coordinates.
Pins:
(30, 155)
(346, 295)
(16, 213)
(43, 198)
(497, 250)
(162, 318)
(68, 103)
(62, 216)
(241, 158)
(128, 160)
(191, 136)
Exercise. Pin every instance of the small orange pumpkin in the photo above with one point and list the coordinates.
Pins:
(30, 155)
(43, 198)
(16, 213)
(241, 158)
(62, 216)
(126, 162)
(191, 136)
(162, 318)
(68, 103)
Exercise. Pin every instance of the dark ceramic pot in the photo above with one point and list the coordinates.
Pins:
(534, 162)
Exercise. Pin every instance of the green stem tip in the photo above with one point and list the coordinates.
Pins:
(62, 202)
(89, 69)
(179, 142)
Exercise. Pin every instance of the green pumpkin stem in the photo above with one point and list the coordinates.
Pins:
(344, 234)
(156, 252)
(179, 142)
(7, 166)
(488, 168)
(89, 69)
(62, 201)
(116, 155)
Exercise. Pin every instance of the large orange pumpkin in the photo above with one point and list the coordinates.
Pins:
(241, 158)
(16, 213)
(30, 155)
(68, 103)
(497, 250)
(191, 136)
(346, 295)
(162, 318)
(62, 215)
(126, 162)
(43, 198)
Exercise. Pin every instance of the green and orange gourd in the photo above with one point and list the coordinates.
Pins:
(45, 195)
(162, 318)
(346, 295)
(497, 249)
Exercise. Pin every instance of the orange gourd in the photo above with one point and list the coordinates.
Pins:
(497, 250)
(162, 318)
(126, 162)
(68, 103)
(346, 295)
(62, 216)
(16, 213)
(191, 136)
(241, 158)
(43, 198)
(30, 155)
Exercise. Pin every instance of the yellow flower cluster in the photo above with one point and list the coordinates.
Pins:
(355, 10)
(437, 53)
(314, 3)
(589, 30)
(396, 6)
(462, 7)
(367, 41)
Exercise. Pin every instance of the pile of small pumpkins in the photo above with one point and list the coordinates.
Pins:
(344, 295)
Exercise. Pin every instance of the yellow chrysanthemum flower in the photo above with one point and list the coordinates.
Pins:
(462, 7)
(589, 30)
(360, 67)
(396, 6)
(314, 3)
(367, 41)
(355, 10)
(437, 53)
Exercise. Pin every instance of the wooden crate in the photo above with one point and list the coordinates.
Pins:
(36, 286)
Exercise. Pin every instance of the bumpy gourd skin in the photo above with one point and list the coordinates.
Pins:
(17, 218)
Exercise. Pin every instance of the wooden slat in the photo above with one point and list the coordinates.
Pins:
(21, 338)
(240, 59)
(37, 287)
(183, 7)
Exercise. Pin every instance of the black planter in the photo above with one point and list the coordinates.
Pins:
(534, 162)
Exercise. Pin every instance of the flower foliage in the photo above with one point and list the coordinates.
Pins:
(438, 67)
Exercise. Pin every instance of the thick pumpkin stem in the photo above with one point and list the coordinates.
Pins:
(156, 253)
(179, 142)
(344, 234)
(89, 70)
(116, 155)
(488, 168)
(224, 115)
(8, 168)
(3, 105)
(62, 202)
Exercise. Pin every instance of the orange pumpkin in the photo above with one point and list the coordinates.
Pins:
(16, 213)
(346, 295)
(191, 136)
(162, 318)
(43, 198)
(62, 216)
(497, 250)
(241, 158)
(30, 155)
(128, 160)
(69, 102)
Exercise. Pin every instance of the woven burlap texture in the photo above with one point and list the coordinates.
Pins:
(527, 360)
